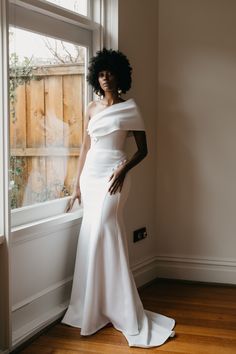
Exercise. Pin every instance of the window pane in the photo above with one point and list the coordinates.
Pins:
(79, 6)
(47, 88)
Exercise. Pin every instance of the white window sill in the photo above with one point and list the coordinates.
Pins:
(41, 227)
(34, 214)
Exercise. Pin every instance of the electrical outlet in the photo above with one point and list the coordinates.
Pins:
(140, 234)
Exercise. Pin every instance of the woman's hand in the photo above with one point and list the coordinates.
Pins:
(75, 195)
(117, 177)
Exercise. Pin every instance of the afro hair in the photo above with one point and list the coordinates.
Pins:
(114, 61)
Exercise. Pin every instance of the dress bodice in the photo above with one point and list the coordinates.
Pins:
(112, 141)
(109, 128)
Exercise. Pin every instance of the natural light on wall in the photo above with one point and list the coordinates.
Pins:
(79, 6)
(47, 84)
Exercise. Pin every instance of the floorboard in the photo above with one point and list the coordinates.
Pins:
(205, 317)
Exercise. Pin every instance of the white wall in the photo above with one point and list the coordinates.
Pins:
(196, 145)
(137, 31)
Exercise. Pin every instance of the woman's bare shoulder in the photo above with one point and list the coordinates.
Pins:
(92, 107)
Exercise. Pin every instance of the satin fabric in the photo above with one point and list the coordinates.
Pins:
(103, 288)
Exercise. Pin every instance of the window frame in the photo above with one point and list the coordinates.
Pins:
(43, 17)
(5, 232)
(88, 9)
(4, 126)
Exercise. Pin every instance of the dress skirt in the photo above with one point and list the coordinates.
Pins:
(103, 288)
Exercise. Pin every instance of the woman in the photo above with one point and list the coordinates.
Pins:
(103, 288)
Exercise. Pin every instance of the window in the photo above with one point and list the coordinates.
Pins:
(47, 84)
(80, 6)
(49, 48)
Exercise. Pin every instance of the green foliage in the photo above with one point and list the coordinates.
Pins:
(19, 73)
(17, 166)
(18, 178)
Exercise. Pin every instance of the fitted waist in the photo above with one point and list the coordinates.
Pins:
(103, 161)
(94, 149)
(112, 141)
(105, 156)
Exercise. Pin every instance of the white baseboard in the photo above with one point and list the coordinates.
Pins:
(213, 270)
(33, 327)
(37, 312)
(144, 271)
(205, 269)
(4, 351)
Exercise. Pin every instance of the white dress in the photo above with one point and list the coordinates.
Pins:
(103, 288)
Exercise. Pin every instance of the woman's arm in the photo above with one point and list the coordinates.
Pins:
(84, 149)
(83, 152)
(119, 174)
(141, 153)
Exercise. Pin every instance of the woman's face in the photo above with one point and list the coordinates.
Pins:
(107, 81)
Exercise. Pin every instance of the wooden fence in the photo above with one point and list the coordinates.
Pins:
(46, 134)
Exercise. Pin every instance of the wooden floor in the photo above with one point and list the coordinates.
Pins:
(205, 323)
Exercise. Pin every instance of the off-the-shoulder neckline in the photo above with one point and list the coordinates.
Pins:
(112, 105)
